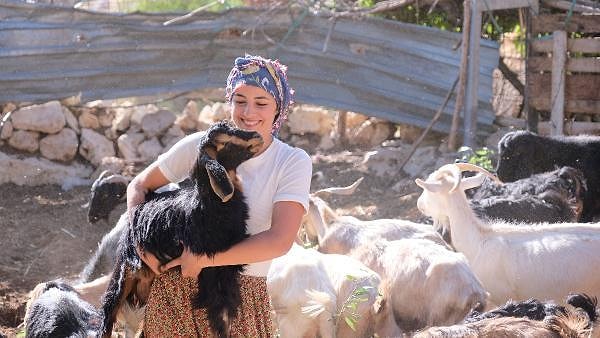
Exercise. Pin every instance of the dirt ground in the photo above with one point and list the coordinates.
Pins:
(45, 233)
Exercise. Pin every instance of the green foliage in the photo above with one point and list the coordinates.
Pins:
(481, 157)
(21, 334)
(174, 6)
(358, 295)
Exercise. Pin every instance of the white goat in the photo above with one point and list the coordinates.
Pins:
(308, 288)
(513, 261)
(423, 282)
(340, 234)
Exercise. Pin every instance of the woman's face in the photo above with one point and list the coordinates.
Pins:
(253, 108)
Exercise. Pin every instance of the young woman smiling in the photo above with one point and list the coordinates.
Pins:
(276, 183)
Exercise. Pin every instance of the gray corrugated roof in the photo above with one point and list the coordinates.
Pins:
(396, 71)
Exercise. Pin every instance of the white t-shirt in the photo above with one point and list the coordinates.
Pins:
(280, 173)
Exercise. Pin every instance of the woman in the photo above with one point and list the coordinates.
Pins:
(276, 183)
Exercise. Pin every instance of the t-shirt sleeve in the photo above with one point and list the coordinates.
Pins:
(177, 162)
(294, 184)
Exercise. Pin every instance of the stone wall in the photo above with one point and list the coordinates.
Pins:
(79, 141)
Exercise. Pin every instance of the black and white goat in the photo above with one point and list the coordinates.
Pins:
(207, 217)
(55, 309)
(553, 197)
(522, 154)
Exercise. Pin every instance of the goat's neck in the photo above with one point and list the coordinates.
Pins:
(465, 227)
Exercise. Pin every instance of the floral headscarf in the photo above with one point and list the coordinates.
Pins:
(267, 74)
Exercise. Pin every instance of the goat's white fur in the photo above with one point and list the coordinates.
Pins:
(307, 287)
(425, 283)
(514, 261)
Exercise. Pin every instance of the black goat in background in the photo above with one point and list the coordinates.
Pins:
(554, 197)
(207, 217)
(522, 154)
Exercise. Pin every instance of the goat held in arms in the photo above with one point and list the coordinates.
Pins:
(207, 217)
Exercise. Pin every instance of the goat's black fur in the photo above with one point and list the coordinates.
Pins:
(106, 193)
(522, 154)
(552, 197)
(59, 312)
(196, 218)
(536, 310)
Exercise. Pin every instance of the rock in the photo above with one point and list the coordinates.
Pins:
(150, 149)
(384, 162)
(71, 120)
(88, 120)
(210, 114)
(122, 119)
(140, 111)
(311, 119)
(156, 124)
(25, 140)
(106, 117)
(61, 146)
(35, 171)
(9, 106)
(111, 134)
(7, 131)
(46, 118)
(371, 133)
(171, 137)
(94, 146)
(74, 100)
(189, 117)
(408, 133)
(128, 144)
(110, 163)
(422, 162)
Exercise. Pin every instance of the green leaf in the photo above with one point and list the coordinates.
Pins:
(351, 323)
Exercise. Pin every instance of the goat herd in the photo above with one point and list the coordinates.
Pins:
(500, 260)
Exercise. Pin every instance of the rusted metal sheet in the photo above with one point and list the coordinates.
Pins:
(396, 71)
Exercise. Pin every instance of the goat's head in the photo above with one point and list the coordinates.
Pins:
(222, 149)
(108, 190)
(521, 154)
(443, 183)
(319, 215)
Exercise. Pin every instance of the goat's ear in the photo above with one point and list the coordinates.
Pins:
(472, 182)
(430, 186)
(219, 180)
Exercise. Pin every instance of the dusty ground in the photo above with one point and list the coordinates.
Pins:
(45, 233)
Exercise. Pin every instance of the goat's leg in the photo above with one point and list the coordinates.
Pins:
(119, 287)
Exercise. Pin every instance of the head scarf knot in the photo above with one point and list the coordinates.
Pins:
(270, 75)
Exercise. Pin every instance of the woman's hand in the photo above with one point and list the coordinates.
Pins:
(191, 264)
(150, 260)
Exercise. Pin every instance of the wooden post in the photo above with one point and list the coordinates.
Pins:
(460, 92)
(341, 127)
(471, 97)
(557, 100)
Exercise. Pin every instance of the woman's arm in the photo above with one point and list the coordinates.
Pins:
(266, 245)
(149, 179)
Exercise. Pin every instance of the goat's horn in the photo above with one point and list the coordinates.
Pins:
(472, 167)
(455, 172)
(116, 178)
(102, 175)
(349, 190)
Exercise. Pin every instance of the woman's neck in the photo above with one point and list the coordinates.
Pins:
(266, 144)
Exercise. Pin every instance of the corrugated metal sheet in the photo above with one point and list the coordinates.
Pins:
(396, 71)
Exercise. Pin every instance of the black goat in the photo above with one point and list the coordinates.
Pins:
(207, 217)
(108, 191)
(57, 311)
(552, 197)
(536, 310)
(522, 154)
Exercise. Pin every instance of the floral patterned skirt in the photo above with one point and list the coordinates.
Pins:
(169, 310)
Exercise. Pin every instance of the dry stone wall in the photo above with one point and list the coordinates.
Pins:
(79, 141)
